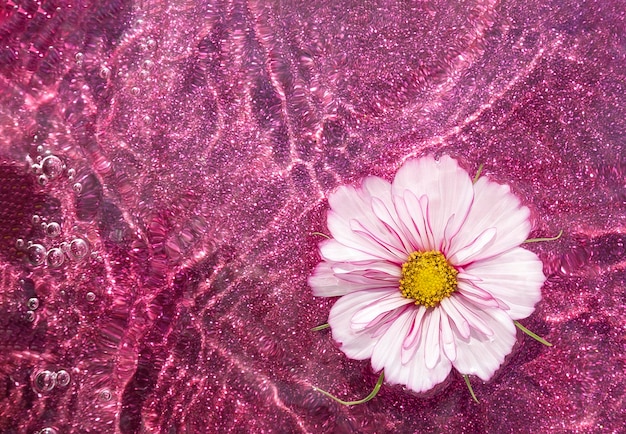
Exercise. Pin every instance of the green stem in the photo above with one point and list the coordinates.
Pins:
(320, 234)
(372, 394)
(537, 240)
(469, 386)
(480, 169)
(320, 327)
(532, 335)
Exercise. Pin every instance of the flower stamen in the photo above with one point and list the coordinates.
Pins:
(427, 278)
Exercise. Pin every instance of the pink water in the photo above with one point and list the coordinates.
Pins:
(164, 164)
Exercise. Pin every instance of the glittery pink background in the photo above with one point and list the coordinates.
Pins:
(200, 139)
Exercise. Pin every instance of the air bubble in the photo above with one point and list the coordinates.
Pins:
(44, 381)
(19, 244)
(55, 257)
(151, 44)
(48, 430)
(33, 303)
(40, 149)
(90, 296)
(105, 73)
(63, 378)
(52, 166)
(78, 249)
(71, 173)
(36, 254)
(79, 57)
(30, 316)
(147, 65)
(135, 91)
(42, 179)
(105, 395)
(36, 168)
(35, 219)
(77, 187)
(53, 229)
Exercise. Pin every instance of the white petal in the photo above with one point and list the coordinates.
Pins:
(460, 323)
(476, 295)
(383, 208)
(447, 186)
(469, 312)
(431, 332)
(356, 345)
(420, 378)
(369, 313)
(413, 215)
(412, 339)
(414, 374)
(474, 249)
(333, 250)
(447, 337)
(482, 355)
(386, 239)
(473, 289)
(383, 268)
(351, 208)
(494, 207)
(326, 282)
(344, 233)
(386, 354)
(514, 277)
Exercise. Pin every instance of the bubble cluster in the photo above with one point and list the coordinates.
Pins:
(45, 380)
(54, 257)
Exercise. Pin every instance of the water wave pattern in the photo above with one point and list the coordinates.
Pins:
(163, 166)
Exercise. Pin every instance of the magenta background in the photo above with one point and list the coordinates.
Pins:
(206, 136)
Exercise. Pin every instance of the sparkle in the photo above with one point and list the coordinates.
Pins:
(427, 278)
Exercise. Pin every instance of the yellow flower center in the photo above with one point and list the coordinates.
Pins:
(427, 278)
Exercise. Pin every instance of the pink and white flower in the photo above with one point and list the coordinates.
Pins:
(430, 272)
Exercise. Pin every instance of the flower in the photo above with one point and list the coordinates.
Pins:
(429, 271)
